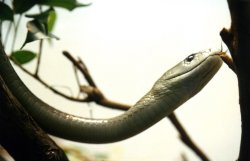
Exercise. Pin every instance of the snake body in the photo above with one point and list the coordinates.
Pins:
(175, 87)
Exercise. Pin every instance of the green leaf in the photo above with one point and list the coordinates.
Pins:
(21, 6)
(67, 4)
(6, 12)
(23, 56)
(41, 16)
(37, 31)
(51, 21)
(47, 17)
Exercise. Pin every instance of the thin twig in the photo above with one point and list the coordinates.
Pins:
(65, 87)
(1, 37)
(48, 86)
(76, 76)
(39, 51)
(16, 26)
(39, 58)
(81, 67)
(77, 81)
(186, 138)
(184, 157)
(228, 60)
(7, 34)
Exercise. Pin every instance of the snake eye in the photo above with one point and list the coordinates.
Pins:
(190, 58)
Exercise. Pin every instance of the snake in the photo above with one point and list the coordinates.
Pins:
(171, 90)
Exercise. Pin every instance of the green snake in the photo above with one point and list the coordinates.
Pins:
(174, 88)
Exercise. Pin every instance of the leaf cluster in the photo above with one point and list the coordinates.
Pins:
(41, 24)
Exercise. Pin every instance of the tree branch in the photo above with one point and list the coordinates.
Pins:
(20, 135)
(237, 38)
(228, 60)
(82, 67)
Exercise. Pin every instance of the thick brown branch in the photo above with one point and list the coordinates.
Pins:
(237, 39)
(20, 135)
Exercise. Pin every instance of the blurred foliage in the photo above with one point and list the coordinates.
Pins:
(46, 18)
(6, 12)
(40, 25)
(37, 30)
(21, 6)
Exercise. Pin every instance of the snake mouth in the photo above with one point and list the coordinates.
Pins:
(216, 56)
(207, 74)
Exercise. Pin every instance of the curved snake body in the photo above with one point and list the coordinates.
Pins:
(175, 87)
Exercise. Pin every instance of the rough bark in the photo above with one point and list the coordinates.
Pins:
(237, 39)
(20, 135)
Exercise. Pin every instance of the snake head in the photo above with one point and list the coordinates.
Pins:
(190, 75)
(191, 62)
